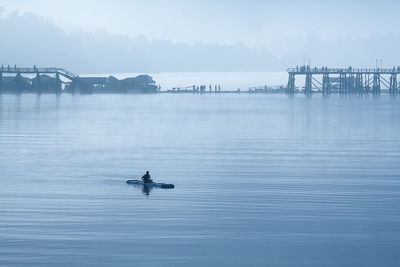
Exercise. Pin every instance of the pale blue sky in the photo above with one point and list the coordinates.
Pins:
(253, 22)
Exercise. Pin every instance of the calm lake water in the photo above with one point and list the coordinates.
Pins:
(261, 180)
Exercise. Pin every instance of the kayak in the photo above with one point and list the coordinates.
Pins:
(161, 185)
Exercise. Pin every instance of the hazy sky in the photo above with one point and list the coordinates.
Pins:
(253, 22)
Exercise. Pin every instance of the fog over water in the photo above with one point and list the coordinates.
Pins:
(187, 36)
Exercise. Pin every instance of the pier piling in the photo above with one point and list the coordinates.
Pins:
(290, 89)
(38, 85)
(393, 84)
(376, 86)
(58, 86)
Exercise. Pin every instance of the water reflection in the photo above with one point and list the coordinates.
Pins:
(321, 174)
(37, 103)
(145, 189)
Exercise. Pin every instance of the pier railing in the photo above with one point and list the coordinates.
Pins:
(315, 70)
(34, 70)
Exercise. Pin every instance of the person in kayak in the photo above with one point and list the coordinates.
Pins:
(147, 178)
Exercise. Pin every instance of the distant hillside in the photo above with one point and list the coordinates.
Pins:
(28, 39)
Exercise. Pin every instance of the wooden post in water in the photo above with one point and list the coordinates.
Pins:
(291, 84)
(343, 83)
(393, 84)
(38, 83)
(308, 85)
(376, 84)
(350, 83)
(325, 84)
(1, 82)
(358, 83)
(18, 84)
(58, 84)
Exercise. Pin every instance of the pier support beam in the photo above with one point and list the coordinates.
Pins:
(325, 84)
(343, 83)
(308, 85)
(38, 84)
(350, 83)
(58, 84)
(398, 88)
(393, 88)
(18, 84)
(74, 86)
(358, 84)
(367, 84)
(290, 88)
(376, 84)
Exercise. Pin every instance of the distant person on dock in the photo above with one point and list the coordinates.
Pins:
(147, 178)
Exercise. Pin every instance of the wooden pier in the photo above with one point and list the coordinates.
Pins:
(344, 80)
(58, 80)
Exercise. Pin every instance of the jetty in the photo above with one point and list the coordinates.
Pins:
(343, 80)
(59, 80)
(216, 89)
